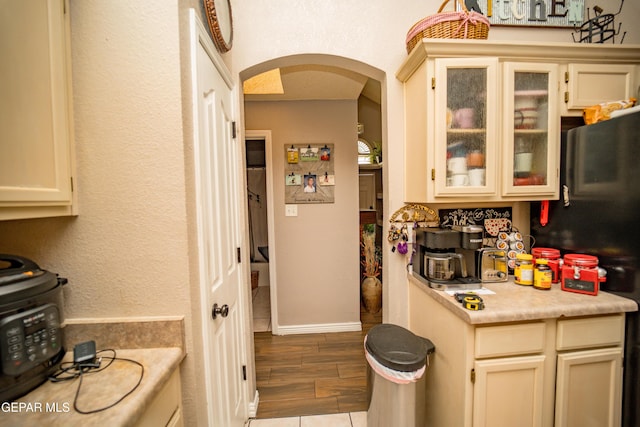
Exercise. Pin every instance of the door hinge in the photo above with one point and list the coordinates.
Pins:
(71, 179)
(239, 256)
(473, 376)
(433, 174)
(244, 372)
(566, 77)
(433, 82)
(566, 97)
(233, 130)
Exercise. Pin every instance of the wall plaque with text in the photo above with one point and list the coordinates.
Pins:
(533, 13)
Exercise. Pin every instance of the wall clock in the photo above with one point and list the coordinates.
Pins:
(220, 23)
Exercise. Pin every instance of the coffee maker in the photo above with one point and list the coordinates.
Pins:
(440, 263)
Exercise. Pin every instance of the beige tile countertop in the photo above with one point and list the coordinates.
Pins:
(52, 404)
(513, 303)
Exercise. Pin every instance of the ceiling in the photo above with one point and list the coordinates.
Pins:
(321, 82)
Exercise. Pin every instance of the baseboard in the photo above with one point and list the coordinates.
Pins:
(253, 406)
(319, 328)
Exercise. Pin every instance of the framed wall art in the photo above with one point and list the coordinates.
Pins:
(309, 173)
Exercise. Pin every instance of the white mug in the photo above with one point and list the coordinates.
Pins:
(458, 180)
(523, 162)
(476, 177)
(457, 165)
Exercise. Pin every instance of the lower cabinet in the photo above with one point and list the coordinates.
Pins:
(589, 371)
(549, 372)
(508, 392)
(588, 388)
(166, 408)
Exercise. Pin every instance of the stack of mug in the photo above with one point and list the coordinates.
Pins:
(466, 169)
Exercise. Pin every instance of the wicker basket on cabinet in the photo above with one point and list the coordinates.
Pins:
(457, 24)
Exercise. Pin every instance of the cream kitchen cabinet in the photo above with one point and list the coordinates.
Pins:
(36, 131)
(531, 134)
(508, 375)
(521, 361)
(590, 84)
(466, 98)
(589, 358)
(166, 407)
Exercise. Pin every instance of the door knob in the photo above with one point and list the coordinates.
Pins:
(217, 310)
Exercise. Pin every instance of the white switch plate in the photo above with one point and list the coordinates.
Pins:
(290, 210)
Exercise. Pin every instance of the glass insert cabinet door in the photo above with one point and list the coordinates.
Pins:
(466, 120)
(531, 129)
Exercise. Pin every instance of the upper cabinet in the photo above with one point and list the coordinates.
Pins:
(591, 84)
(483, 118)
(464, 163)
(36, 130)
(531, 133)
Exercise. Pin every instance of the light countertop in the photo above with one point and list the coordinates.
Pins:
(51, 404)
(514, 303)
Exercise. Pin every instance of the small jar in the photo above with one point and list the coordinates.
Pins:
(523, 272)
(542, 275)
(553, 256)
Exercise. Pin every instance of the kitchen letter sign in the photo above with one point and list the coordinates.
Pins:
(533, 13)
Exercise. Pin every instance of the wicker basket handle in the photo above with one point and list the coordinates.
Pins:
(460, 2)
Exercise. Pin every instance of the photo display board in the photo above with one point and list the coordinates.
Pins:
(309, 173)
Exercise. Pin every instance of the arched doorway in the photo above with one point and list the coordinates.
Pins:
(330, 97)
(317, 100)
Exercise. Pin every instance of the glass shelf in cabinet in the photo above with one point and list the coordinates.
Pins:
(531, 132)
(466, 131)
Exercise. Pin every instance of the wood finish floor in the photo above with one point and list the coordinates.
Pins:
(312, 374)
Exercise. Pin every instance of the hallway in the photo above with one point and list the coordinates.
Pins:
(311, 374)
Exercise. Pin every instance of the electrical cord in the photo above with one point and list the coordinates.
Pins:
(71, 370)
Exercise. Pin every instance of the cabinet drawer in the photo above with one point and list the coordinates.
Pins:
(590, 332)
(509, 340)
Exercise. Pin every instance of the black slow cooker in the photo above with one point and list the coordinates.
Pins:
(31, 325)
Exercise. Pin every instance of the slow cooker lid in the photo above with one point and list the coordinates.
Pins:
(21, 278)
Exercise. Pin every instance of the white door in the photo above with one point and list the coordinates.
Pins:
(367, 191)
(216, 165)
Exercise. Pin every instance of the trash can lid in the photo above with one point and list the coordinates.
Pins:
(398, 348)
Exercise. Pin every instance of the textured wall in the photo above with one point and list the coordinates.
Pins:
(317, 252)
(126, 254)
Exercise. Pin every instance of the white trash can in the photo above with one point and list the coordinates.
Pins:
(397, 361)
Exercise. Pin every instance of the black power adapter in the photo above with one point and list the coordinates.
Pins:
(84, 354)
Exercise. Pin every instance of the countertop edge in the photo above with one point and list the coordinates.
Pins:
(159, 364)
(546, 304)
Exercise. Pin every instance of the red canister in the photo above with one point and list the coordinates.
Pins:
(580, 273)
(555, 262)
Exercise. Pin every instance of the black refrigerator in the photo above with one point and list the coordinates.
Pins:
(599, 214)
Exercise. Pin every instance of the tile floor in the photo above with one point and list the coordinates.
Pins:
(351, 419)
(261, 298)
